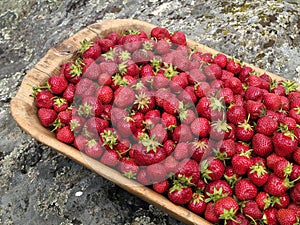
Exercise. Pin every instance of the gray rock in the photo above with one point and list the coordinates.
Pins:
(40, 186)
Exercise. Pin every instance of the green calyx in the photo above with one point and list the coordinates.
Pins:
(74, 124)
(221, 125)
(91, 142)
(148, 46)
(247, 153)
(84, 45)
(197, 197)
(122, 67)
(288, 169)
(125, 55)
(109, 138)
(232, 180)
(220, 155)
(258, 169)
(216, 195)
(76, 68)
(110, 55)
(169, 70)
(205, 172)
(142, 100)
(289, 86)
(85, 110)
(245, 125)
(119, 80)
(156, 64)
(130, 175)
(150, 143)
(228, 214)
(59, 101)
(182, 111)
(217, 103)
(56, 124)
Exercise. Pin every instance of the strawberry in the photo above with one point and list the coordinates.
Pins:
(91, 106)
(236, 114)
(244, 131)
(57, 84)
(106, 43)
(234, 84)
(226, 75)
(266, 125)
(287, 217)
(178, 38)
(159, 133)
(179, 194)
(47, 116)
(160, 33)
(245, 190)
(60, 104)
(65, 135)
(181, 151)
(232, 66)
(197, 204)
(142, 177)
(283, 169)
(93, 148)
(258, 174)
(69, 93)
(210, 214)
(212, 169)
(263, 200)
(269, 216)
(163, 47)
(89, 49)
(72, 71)
(213, 71)
(105, 94)
(125, 128)
(171, 165)
(110, 158)
(190, 169)
(65, 117)
(277, 186)
(216, 190)
(253, 93)
(296, 156)
(90, 70)
(124, 97)
(241, 162)
(109, 68)
(226, 208)
(128, 167)
(199, 148)
(80, 142)
(114, 37)
(161, 187)
(282, 201)
(254, 108)
(221, 60)
(44, 99)
(284, 143)
(251, 210)
(85, 87)
(262, 145)
(245, 72)
(182, 133)
(200, 127)
(108, 136)
(272, 101)
(295, 193)
(239, 219)
(144, 102)
(132, 42)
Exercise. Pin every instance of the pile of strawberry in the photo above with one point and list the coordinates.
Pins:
(204, 130)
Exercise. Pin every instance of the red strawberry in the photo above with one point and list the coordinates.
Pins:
(272, 101)
(262, 145)
(253, 93)
(44, 99)
(245, 73)
(57, 84)
(160, 33)
(287, 217)
(266, 125)
(113, 36)
(236, 114)
(69, 93)
(159, 133)
(282, 201)
(277, 186)
(182, 133)
(60, 104)
(296, 156)
(239, 219)
(269, 216)
(93, 148)
(263, 200)
(47, 116)
(220, 59)
(178, 38)
(283, 169)
(226, 208)
(232, 66)
(148, 154)
(245, 190)
(212, 169)
(163, 47)
(234, 84)
(132, 42)
(65, 117)
(254, 108)
(213, 71)
(80, 142)
(197, 204)
(284, 143)
(210, 214)
(258, 174)
(142, 177)
(105, 94)
(109, 68)
(72, 71)
(124, 97)
(244, 131)
(190, 169)
(65, 135)
(295, 193)
(251, 209)
(199, 148)
(85, 87)
(161, 187)
(200, 127)
(241, 162)
(89, 49)
(106, 44)
(91, 106)
(110, 158)
(180, 194)
(91, 69)
(128, 167)
(181, 151)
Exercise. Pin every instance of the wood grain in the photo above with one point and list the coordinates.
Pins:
(25, 112)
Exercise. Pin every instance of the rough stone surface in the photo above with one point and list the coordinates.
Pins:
(40, 186)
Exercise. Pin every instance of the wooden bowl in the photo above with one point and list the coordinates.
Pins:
(24, 111)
